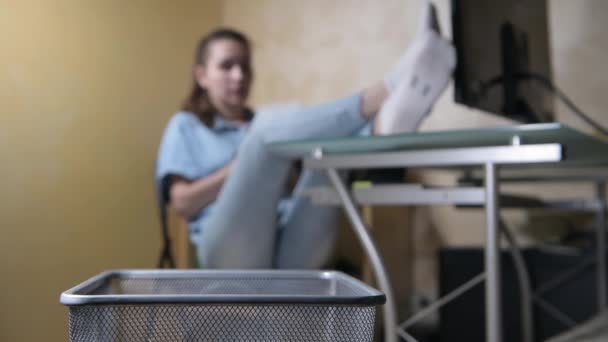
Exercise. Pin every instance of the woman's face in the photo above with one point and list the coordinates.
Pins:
(226, 74)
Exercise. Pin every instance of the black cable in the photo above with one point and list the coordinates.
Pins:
(545, 82)
(560, 94)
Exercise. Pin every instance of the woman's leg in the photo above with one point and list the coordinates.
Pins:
(308, 233)
(241, 229)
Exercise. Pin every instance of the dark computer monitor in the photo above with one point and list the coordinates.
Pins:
(503, 49)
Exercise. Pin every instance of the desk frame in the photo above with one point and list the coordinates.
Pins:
(490, 158)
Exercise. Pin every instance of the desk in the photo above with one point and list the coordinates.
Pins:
(553, 146)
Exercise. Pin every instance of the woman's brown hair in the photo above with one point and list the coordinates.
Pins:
(198, 101)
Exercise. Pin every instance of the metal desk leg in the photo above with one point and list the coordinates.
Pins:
(390, 312)
(600, 224)
(492, 257)
(525, 286)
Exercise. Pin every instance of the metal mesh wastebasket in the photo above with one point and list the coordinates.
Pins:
(169, 305)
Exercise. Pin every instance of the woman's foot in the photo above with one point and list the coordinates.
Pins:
(428, 22)
(418, 80)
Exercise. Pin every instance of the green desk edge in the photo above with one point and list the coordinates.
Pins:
(581, 149)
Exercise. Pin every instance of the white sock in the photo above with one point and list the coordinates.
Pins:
(428, 22)
(419, 79)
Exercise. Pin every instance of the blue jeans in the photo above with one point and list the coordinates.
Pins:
(242, 231)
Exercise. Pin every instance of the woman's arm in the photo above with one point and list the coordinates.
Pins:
(190, 197)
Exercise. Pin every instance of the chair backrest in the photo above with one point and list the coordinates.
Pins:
(166, 258)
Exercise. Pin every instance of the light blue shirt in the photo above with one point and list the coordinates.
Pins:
(192, 150)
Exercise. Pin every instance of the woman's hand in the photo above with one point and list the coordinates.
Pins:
(190, 197)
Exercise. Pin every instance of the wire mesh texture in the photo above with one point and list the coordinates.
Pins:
(185, 322)
(221, 306)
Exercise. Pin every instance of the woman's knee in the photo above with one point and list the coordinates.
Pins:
(273, 127)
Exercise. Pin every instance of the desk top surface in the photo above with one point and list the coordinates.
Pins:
(581, 149)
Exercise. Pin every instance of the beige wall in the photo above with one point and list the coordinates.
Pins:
(86, 88)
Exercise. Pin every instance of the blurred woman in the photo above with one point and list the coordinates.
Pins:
(219, 173)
